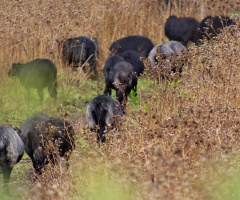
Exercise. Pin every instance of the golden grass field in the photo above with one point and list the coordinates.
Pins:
(178, 140)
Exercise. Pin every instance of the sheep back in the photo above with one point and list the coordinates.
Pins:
(182, 29)
(101, 111)
(140, 44)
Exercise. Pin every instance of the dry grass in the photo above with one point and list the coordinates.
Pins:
(180, 142)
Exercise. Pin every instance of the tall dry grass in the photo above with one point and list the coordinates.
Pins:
(182, 139)
(29, 29)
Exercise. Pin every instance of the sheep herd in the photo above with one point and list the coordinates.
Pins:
(121, 71)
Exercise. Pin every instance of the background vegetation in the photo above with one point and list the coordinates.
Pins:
(177, 140)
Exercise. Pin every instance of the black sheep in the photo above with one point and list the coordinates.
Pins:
(211, 26)
(140, 44)
(81, 50)
(11, 152)
(102, 111)
(182, 29)
(39, 73)
(123, 79)
(40, 133)
(129, 56)
(110, 62)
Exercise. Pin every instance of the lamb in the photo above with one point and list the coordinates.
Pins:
(40, 133)
(140, 44)
(101, 111)
(11, 152)
(79, 50)
(182, 29)
(39, 73)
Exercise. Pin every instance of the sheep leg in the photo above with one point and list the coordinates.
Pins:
(40, 94)
(33, 161)
(135, 89)
(6, 176)
(52, 89)
(107, 90)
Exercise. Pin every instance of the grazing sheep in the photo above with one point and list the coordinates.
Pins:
(39, 73)
(170, 48)
(140, 44)
(80, 50)
(211, 26)
(110, 62)
(121, 78)
(173, 52)
(129, 56)
(101, 111)
(182, 29)
(47, 138)
(28, 131)
(11, 152)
